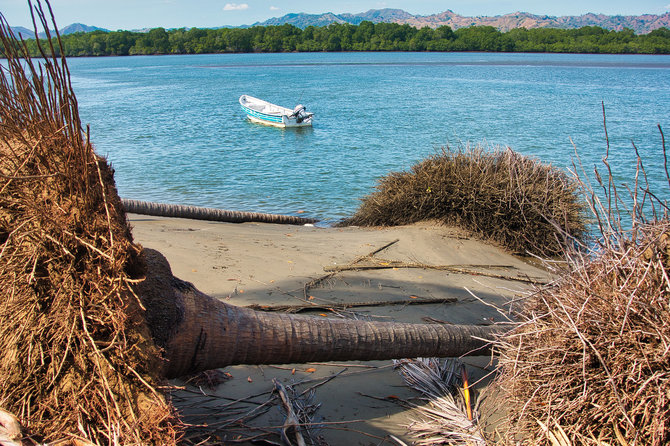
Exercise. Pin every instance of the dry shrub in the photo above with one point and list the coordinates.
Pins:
(76, 357)
(500, 195)
(590, 361)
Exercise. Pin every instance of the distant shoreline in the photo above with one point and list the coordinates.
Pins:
(438, 63)
(365, 37)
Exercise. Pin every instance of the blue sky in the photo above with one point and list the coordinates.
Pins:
(136, 14)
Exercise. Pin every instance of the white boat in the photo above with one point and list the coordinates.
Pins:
(263, 112)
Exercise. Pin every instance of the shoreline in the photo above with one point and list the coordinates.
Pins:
(271, 265)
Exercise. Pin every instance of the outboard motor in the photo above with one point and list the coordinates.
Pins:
(298, 108)
(300, 113)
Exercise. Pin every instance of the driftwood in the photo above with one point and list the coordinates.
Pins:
(390, 264)
(359, 259)
(356, 265)
(292, 423)
(203, 213)
(460, 269)
(345, 306)
(372, 253)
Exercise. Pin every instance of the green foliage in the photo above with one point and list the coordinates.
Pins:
(366, 36)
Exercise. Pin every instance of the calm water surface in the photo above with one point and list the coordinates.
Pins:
(174, 132)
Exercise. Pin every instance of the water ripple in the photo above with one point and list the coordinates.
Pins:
(174, 132)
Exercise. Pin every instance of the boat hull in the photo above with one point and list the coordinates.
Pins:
(265, 113)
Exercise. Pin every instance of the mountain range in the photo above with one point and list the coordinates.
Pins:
(70, 29)
(640, 24)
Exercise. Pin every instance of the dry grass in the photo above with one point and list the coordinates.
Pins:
(500, 195)
(76, 358)
(590, 361)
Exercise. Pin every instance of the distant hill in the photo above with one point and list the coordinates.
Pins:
(642, 24)
(21, 31)
(80, 28)
(70, 29)
(302, 20)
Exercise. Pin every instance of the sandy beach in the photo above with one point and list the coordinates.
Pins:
(440, 276)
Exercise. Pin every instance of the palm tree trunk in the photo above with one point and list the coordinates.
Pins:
(232, 335)
(202, 213)
(200, 333)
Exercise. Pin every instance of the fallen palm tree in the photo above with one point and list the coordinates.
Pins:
(589, 362)
(90, 323)
(211, 214)
(519, 202)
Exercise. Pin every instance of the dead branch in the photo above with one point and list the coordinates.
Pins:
(376, 251)
(459, 269)
(345, 306)
(292, 422)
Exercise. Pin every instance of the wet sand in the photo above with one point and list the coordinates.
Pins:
(270, 265)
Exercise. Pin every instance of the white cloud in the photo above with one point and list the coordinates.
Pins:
(235, 7)
(274, 8)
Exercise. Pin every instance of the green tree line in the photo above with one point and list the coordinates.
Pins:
(366, 36)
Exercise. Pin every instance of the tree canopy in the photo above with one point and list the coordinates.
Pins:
(366, 36)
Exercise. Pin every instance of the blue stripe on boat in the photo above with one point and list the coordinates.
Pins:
(263, 116)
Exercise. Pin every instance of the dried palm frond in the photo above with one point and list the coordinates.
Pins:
(592, 354)
(444, 419)
(501, 195)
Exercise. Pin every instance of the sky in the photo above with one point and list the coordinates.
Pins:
(139, 14)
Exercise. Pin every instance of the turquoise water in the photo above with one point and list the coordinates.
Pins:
(174, 132)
